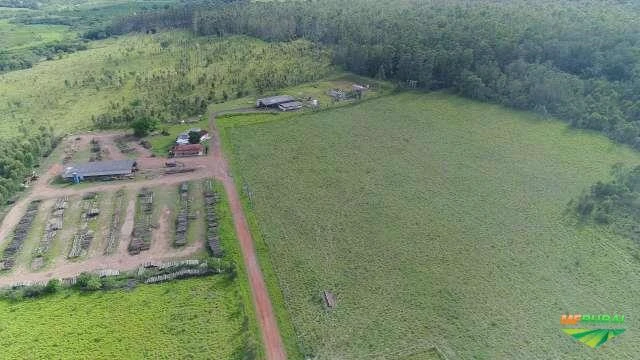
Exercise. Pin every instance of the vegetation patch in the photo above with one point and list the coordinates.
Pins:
(199, 317)
(614, 203)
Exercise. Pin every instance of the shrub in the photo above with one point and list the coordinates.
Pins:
(53, 286)
(88, 281)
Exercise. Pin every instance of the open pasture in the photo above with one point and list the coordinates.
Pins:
(194, 318)
(436, 222)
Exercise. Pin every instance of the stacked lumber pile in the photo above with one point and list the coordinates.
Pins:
(20, 234)
(141, 237)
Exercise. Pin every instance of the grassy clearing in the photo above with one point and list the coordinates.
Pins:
(197, 318)
(436, 221)
(17, 37)
(147, 71)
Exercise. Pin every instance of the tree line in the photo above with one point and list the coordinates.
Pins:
(19, 155)
(576, 60)
(615, 203)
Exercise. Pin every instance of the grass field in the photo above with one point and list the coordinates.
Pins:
(18, 36)
(436, 221)
(195, 318)
(159, 72)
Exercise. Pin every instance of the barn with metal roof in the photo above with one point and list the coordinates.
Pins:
(273, 101)
(100, 169)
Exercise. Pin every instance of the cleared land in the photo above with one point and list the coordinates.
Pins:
(160, 72)
(195, 318)
(436, 221)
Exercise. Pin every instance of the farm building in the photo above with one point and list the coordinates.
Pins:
(183, 139)
(274, 101)
(292, 105)
(358, 88)
(337, 94)
(100, 170)
(187, 150)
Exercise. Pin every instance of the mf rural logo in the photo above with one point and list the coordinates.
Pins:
(593, 330)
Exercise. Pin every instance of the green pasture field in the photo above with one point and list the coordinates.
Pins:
(18, 36)
(437, 222)
(196, 318)
(148, 70)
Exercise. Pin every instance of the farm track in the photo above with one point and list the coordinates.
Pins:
(273, 345)
(214, 165)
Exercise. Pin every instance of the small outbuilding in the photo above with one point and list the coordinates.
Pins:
(292, 105)
(100, 170)
(187, 150)
(337, 94)
(273, 101)
(358, 88)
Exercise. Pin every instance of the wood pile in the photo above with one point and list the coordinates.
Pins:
(96, 151)
(182, 220)
(141, 237)
(210, 201)
(123, 145)
(81, 242)
(180, 274)
(70, 150)
(83, 238)
(113, 238)
(179, 170)
(20, 234)
(108, 272)
(329, 299)
(54, 223)
(180, 263)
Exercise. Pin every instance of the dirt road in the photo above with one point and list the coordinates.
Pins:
(273, 345)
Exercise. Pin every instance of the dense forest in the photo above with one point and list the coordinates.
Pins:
(577, 60)
(20, 155)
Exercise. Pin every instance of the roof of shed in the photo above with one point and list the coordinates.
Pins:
(291, 104)
(272, 100)
(100, 168)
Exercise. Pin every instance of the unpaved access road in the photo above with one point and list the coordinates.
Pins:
(273, 345)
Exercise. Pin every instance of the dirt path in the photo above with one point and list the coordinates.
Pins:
(274, 347)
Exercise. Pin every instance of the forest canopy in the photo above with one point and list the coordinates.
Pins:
(577, 60)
